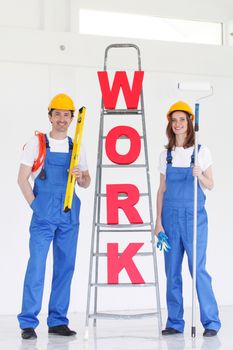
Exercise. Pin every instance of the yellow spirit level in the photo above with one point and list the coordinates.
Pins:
(74, 159)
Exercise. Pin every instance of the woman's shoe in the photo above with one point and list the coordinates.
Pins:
(209, 333)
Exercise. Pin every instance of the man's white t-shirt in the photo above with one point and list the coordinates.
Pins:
(31, 150)
(181, 157)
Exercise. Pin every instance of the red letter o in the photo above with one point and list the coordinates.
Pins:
(135, 146)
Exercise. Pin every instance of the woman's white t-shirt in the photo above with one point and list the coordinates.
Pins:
(181, 157)
(31, 151)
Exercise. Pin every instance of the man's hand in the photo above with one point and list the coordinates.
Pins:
(82, 177)
(77, 173)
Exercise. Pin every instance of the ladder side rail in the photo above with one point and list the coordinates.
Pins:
(151, 214)
(97, 184)
(100, 158)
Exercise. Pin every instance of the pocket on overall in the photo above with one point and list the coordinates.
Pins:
(58, 169)
(42, 205)
(174, 185)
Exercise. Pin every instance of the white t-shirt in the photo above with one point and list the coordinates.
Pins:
(181, 157)
(31, 150)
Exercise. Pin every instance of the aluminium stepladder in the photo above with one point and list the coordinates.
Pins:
(99, 227)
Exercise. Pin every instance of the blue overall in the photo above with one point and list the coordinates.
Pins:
(177, 221)
(50, 223)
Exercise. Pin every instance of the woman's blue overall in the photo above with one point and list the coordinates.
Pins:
(50, 224)
(177, 220)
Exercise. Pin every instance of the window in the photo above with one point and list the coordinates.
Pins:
(148, 27)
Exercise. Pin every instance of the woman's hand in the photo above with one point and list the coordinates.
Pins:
(205, 177)
(158, 228)
(197, 171)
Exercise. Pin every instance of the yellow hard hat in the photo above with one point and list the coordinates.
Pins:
(62, 101)
(180, 106)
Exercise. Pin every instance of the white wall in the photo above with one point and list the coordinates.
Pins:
(33, 69)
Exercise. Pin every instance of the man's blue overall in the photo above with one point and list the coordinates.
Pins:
(177, 220)
(50, 223)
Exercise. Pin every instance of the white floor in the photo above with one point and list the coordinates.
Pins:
(117, 334)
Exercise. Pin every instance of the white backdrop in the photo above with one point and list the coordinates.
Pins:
(32, 70)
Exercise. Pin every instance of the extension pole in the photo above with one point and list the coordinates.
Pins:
(196, 128)
(198, 87)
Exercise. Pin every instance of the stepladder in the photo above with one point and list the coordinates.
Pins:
(122, 227)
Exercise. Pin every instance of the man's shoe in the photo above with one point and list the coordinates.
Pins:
(28, 333)
(61, 330)
(170, 331)
(209, 333)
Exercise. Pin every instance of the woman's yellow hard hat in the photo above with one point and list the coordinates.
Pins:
(62, 101)
(181, 106)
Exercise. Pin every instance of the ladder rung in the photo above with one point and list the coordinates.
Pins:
(124, 225)
(121, 137)
(122, 111)
(143, 194)
(125, 231)
(137, 254)
(123, 285)
(121, 316)
(122, 165)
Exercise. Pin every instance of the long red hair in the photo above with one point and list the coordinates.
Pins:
(190, 137)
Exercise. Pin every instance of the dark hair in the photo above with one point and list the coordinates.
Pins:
(190, 137)
(51, 110)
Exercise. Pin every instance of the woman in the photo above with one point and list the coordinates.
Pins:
(175, 218)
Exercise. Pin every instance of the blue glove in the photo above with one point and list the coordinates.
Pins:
(163, 242)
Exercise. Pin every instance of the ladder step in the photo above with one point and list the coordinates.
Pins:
(121, 137)
(137, 254)
(123, 285)
(121, 316)
(122, 111)
(143, 194)
(124, 225)
(122, 166)
(125, 231)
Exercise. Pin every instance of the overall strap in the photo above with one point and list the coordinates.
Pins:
(169, 157)
(192, 157)
(70, 143)
(47, 141)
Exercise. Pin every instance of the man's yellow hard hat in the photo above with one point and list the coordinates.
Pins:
(62, 101)
(181, 106)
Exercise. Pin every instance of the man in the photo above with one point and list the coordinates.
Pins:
(49, 222)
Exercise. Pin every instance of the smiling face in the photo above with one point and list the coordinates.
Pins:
(179, 122)
(60, 120)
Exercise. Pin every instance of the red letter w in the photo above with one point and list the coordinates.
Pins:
(110, 96)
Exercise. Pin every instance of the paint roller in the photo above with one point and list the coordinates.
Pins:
(199, 87)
